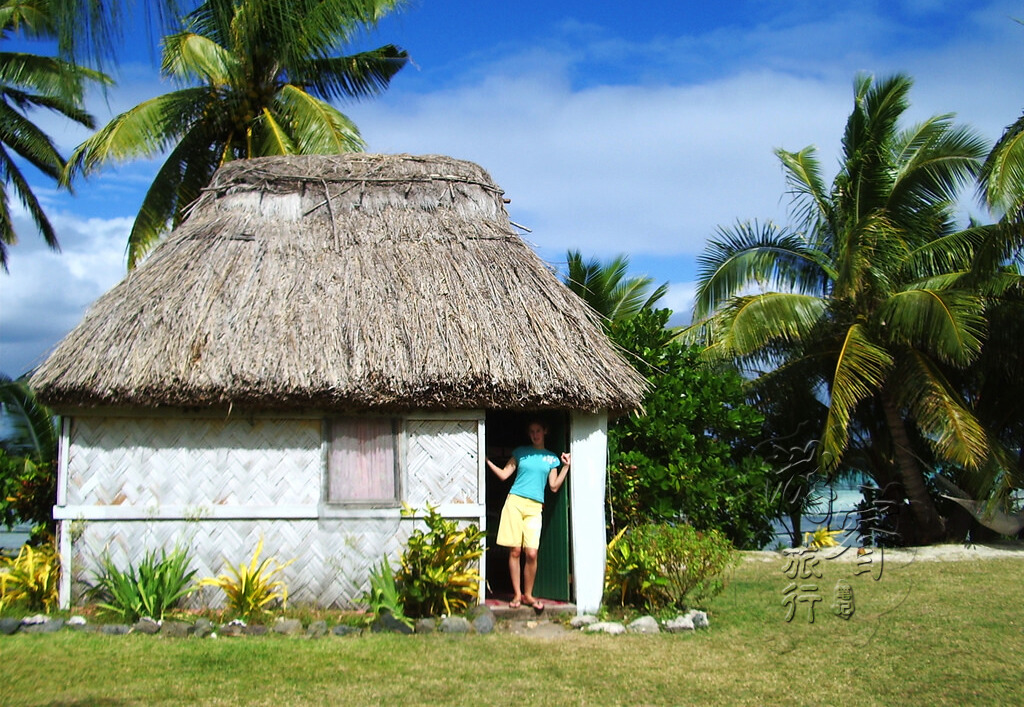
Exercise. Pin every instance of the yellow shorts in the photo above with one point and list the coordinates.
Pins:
(520, 523)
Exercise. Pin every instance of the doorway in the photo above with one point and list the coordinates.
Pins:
(506, 430)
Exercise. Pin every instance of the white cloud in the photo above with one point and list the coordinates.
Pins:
(654, 167)
(46, 293)
(641, 169)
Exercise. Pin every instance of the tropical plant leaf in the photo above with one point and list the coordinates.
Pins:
(861, 369)
(949, 323)
(940, 412)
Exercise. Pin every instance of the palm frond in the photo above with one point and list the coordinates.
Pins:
(29, 141)
(608, 288)
(10, 174)
(177, 184)
(861, 369)
(361, 75)
(754, 322)
(936, 159)
(1002, 175)
(940, 412)
(862, 185)
(274, 139)
(31, 424)
(190, 56)
(333, 24)
(811, 206)
(30, 18)
(949, 323)
(316, 127)
(143, 131)
(46, 76)
(950, 252)
(750, 255)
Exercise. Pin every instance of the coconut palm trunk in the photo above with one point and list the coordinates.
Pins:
(930, 527)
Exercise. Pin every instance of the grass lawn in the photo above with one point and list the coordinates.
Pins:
(925, 633)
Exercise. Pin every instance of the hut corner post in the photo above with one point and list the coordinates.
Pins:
(63, 525)
(587, 489)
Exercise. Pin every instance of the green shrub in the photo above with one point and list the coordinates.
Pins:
(438, 571)
(30, 579)
(383, 596)
(250, 588)
(663, 566)
(688, 459)
(151, 589)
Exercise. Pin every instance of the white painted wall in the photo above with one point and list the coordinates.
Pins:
(589, 447)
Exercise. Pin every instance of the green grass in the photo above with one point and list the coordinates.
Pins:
(926, 633)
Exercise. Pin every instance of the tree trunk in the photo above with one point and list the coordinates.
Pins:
(929, 523)
(795, 518)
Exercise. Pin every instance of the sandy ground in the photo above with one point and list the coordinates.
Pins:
(929, 553)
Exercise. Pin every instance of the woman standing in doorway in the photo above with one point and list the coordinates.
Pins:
(520, 525)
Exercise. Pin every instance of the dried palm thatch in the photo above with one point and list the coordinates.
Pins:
(342, 282)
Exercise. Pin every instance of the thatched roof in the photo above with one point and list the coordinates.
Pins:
(342, 282)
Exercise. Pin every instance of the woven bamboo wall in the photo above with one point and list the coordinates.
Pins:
(332, 557)
(201, 465)
(442, 462)
(193, 462)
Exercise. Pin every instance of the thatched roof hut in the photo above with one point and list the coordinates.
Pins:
(342, 282)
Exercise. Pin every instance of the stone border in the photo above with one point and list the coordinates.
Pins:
(481, 620)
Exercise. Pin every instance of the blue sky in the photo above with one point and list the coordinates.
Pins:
(612, 129)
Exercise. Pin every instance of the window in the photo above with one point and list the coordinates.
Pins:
(362, 460)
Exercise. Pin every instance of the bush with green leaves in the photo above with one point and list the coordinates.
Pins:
(383, 596)
(252, 587)
(150, 590)
(28, 459)
(439, 572)
(30, 580)
(690, 457)
(659, 566)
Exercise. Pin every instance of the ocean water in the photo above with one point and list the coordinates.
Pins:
(835, 510)
(14, 538)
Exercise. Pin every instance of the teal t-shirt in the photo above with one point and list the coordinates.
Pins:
(532, 468)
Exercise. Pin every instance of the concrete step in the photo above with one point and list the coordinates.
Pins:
(552, 609)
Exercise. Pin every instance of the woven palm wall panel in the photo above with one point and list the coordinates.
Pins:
(332, 557)
(443, 463)
(193, 462)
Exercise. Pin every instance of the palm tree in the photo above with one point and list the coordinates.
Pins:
(28, 457)
(28, 82)
(865, 295)
(262, 74)
(607, 289)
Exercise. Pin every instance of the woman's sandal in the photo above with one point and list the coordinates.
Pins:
(538, 606)
(514, 604)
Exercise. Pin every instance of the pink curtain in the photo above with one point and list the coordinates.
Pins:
(361, 463)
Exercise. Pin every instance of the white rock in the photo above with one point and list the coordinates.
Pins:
(612, 627)
(77, 621)
(699, 618)
(645, 624)
(584, 620)
(33, 620)
(679, 624)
